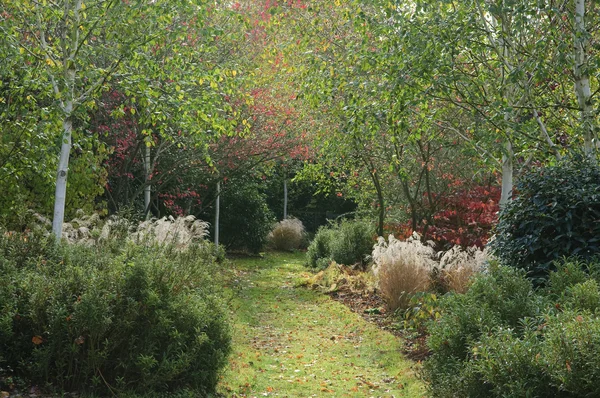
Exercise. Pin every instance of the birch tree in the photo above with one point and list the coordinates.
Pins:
(78, 46)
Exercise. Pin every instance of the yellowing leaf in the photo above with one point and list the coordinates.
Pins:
(234, 73)
(21, 50)
(49, 62)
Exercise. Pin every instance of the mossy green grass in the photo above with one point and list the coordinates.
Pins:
(290, 341)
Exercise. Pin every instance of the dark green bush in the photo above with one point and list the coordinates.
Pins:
(318, 253)
(556, 213)
(148, 319)
(245, 217)
(505, 339)
(349, 243)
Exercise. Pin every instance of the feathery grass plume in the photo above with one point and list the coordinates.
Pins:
(408, 267)
(458, 265)
(179, 232)
(287, 235)
(403, 268)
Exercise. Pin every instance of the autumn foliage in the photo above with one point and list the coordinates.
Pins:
(466, 218)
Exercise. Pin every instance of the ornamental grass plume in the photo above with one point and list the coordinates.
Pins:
(403, 268)
(408, 267)
(287, 235)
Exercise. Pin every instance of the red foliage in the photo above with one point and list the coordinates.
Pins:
(466, 219)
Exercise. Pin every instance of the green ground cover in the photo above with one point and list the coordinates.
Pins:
(290, 341)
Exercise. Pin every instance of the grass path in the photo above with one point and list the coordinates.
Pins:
(293, 342)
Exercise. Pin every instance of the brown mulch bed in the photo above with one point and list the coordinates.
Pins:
(372, 308)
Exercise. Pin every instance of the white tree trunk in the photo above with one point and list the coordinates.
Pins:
(60, 193)
(507, 174)
(285, 197)
(217, 213)
(509, 95)
(582, 79)
(148, 186)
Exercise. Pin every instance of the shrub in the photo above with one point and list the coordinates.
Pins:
(349, 243)
(466, 218)
(352, 243)
(556, 214)
(318, 253)
(503, 338)
(245, 217)
(146, 319)
(287, 235)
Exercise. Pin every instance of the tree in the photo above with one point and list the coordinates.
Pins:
(75, 47)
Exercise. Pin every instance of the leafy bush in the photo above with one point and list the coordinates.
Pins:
(421, 309)
(467, 218)
(146, 318)
(353, 242)
(318, 253)
(503, 338)
(556, 214)
(245, 217)
(349, 243)
(287, 235)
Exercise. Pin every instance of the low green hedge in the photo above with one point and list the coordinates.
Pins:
(138, 319)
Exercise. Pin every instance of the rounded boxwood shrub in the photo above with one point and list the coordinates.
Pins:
(145, 319)
(349, 243)
(246, 220)
(556, 213)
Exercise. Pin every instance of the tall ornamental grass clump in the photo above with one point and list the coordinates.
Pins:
(556, 213)
(504, 338)
(287, 235)
(110, 319)
(350, 242)
(407, 267)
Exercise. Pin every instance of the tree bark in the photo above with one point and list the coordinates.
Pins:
(147, 185)
(285, 196)
(507, 174)
(217, 213)
(60, 193)
(582, 78)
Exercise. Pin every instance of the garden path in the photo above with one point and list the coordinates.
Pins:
(290, 341)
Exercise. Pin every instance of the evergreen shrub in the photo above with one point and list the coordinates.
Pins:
(245, 220)
(348, 242)
(146, 318)
(503, 338)
(556, 213)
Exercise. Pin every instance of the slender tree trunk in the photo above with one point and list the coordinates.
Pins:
(381, 202)
(507, 174)
(509, 94)
(582, 78)
(217, 212)
(148, 186)
(60, 194)
(285, 196)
